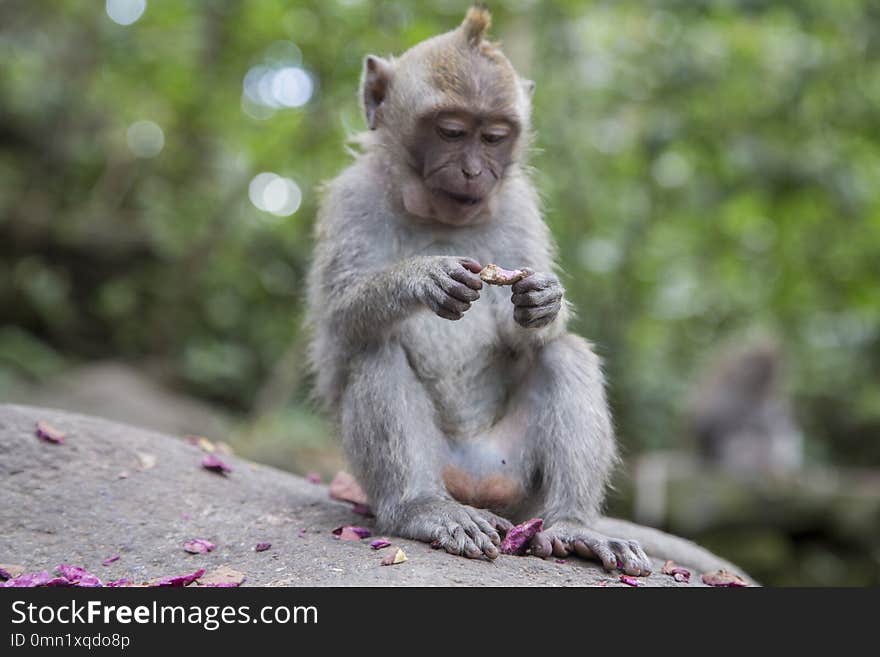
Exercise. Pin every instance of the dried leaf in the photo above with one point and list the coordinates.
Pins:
(10, 571)
(223, 576)
(517, 540)
(394, 558)
(50, 434)
(723, 578)
(146, 461)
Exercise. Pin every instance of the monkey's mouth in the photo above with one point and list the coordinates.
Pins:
(462, 199)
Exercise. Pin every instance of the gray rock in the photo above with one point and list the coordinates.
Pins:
(96, 495)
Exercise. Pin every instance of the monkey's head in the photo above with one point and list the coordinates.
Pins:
(452, 114)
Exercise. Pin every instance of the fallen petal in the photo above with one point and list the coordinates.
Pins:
(517, 540)
(344, 487)
(678, 573)
(199, 546)
(78, 576)
(118, 583)
(262, 547)
(110, 560)
(628, 579)
(723, 578)
(349, 533)
(394, 558)
(211, 462)
(313, 478)
(380, 543)
(201, 442)
(50, 434)
(178, 580)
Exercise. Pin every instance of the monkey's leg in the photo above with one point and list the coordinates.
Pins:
(397, 451)
(570, 446)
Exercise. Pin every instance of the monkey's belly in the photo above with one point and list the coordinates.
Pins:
(494, 491)
(485, 473)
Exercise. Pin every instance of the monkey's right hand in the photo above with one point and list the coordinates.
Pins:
(448, 285)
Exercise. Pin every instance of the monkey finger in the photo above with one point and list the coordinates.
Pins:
(447, 314)
(641, 557)
(471, 264)
(486, 528)
(541, 545)
(454, 305)
(596, 550)
(534, 281)
(535, 298)
(459, 290)
(463, 276)
(560, 549)
(535, 317)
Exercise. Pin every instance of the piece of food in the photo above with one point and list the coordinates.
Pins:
(50, 434)
(222, 576)
(495, 275)
(178, 580)
(380, 543)
(678, 573)
(110, 560)
(211, 462)
(262, 547)
(632, 581)
(517, 540)
(394, 558)
(199, 546)
(344, 487)
(723, 578)
(350, 533)
(77, 576)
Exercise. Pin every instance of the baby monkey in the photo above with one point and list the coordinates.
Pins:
(461, 407)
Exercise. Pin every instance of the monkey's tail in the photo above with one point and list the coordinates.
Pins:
(664, 546)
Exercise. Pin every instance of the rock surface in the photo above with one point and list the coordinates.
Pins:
(114, 489)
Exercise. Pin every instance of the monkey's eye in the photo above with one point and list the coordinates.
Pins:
(494, 137)
(450, 133)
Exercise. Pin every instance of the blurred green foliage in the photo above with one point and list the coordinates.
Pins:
(708, 168)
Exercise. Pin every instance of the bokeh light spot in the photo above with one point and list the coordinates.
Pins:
(125, 12)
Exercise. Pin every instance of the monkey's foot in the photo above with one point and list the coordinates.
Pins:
(457, 528)
(563, 539)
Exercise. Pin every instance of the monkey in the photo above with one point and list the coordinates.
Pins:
(461, 408)
(738, 416)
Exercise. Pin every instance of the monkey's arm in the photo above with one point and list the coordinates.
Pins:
(365, 304)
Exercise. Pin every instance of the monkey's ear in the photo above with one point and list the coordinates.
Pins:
(374, 86)
(476, 23)
(528, 86)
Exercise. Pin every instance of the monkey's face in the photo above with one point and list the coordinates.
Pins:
(463, 157)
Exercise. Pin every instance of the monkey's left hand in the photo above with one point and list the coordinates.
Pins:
(537, 299)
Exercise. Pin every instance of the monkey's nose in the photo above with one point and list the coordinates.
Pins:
(471, 173)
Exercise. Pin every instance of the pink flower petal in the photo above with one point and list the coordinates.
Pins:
(313, 478)
(211, 462)
(262, 547)
(78, 576)
(723, 578)
(380, 543)
(349, 533)
(110, 560)
(628, 579)
(678, 573)
(50, 434)
(199, 546)
(178, 580)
